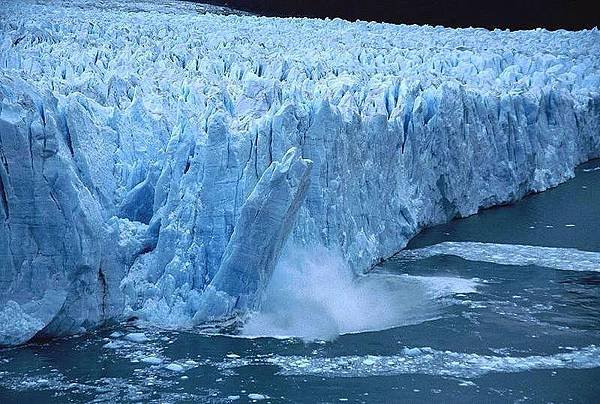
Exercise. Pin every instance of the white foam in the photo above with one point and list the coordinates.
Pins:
(567, 259)
(315, 295)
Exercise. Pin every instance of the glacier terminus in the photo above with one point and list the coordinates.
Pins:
(157, 163)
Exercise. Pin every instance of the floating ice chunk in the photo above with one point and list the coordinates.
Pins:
(136, 337)
(152, 360)
(411, 351)
(257, 397)
(175, 367)
(370, 361)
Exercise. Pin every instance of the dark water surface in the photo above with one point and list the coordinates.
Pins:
(520, 334)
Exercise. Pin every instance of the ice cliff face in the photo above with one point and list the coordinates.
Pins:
(155, 160)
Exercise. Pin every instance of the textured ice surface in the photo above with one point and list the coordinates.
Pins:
(567, 259)
(134, 134)
(423, 361)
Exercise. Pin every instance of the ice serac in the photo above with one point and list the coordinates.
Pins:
(265, 222)
(137, 137)
(51, 231)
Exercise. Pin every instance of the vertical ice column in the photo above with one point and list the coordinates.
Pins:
(264, 224)
(51, 278)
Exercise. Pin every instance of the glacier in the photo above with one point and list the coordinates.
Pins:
(157, 159)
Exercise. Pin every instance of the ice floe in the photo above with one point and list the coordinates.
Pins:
(567, 259)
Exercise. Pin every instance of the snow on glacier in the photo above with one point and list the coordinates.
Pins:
(134, 137)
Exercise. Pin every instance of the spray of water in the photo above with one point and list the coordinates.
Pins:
(315, 295)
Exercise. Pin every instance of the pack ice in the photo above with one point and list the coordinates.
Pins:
(156, 160)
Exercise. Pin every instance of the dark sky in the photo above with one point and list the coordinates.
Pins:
(513, 14)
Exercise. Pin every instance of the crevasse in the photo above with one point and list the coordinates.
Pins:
(156, 160)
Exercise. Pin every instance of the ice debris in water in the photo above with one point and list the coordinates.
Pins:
(168, 167)
(136, 337)
(175, 367)
(567, 259)
(257, 397)
(423, 361)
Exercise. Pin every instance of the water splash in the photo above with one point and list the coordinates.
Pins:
(315, 295)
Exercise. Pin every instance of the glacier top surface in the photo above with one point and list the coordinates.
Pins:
(168, 51)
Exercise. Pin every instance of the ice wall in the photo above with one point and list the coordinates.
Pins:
(134, 138)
